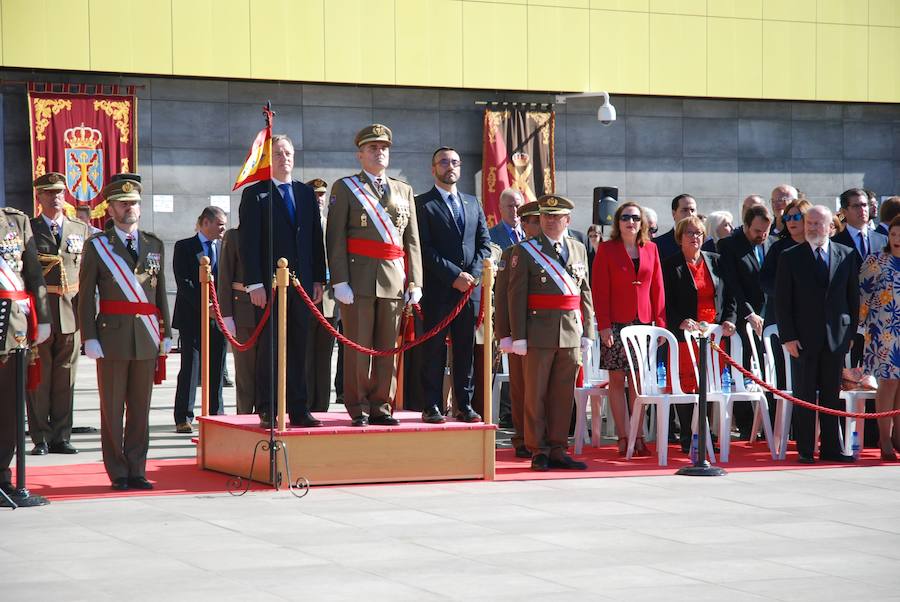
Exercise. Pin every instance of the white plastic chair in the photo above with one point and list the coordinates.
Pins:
(499, 379)
(854, 401)
(595, 390)
(784, 408)
(739, 392)
(642, 342)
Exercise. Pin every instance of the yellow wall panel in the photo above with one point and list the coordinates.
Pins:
(25, 44)
(558, 44)
(679, 7)
(742, 9)
(149, 47)
(211, 37)
(620, 52)
(884, 13)
(490, 60)
(790, 10)
(849, 12)
(677, 55)
(734, 57)
(884, 65)
(561, 3)
(359, 41)
(299, 56)
(421, 61)
(789, 60)
(842, 54)
(640, 6)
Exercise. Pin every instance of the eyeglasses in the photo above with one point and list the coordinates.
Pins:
(693, 233)
(449, 162)
(630, 218)
(794, 217)
(857, 205)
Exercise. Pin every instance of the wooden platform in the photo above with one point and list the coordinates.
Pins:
(338, 453)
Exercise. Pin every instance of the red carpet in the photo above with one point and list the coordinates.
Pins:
(174, 477)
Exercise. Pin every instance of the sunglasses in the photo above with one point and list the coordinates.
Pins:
(630, 218)
(796, 217)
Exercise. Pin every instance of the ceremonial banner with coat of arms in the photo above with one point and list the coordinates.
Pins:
(87, 137)
(518, 153)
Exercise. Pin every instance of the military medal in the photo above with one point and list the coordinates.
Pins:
(363, 221)
(153, 267)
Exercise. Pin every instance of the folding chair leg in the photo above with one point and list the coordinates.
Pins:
(754, 430)
(725, 431)
(581, 399)
(662, 432)
(597, 403)
(633, 428)
(783, 419)
(763, 412)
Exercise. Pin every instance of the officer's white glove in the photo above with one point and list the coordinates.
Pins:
(520, 347)
(166, 346)
(229, 325)
(92, 349)
(412, 296)
(43, 333)
(506, 345)
(586, 343)
(343, 293)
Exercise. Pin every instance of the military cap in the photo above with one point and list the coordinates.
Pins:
(374, 133)
(555, 204)
(318, 184)
(123, 188)
(532, 208)
(50, 181)
(134, 177)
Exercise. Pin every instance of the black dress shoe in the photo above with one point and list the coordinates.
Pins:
(383, 420)
(805, 459)
(360, 421)
(566, 462)
(306, 421)
(63, 447)
(433, 415)
(120, 484)
(540, 463)
(522, 452)
(139, 483)
(468, 415)
(40, 449)
(840, 458)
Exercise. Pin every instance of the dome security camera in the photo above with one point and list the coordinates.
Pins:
(606, 114)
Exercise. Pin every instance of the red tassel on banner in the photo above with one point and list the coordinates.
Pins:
(34, 375)
(160, 375)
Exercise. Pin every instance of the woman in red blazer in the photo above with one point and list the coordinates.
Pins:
(627, 288)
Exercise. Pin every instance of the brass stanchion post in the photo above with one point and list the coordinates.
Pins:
(282, 280)
(205, 277)
(487, 324)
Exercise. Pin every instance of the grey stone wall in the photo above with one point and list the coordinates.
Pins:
(194, 134)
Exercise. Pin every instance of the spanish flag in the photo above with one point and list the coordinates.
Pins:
(258, 165)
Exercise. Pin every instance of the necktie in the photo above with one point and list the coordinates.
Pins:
(211, 253)
(559, 251)
(863, 247)
(379, 186)
(129, 244)
(759, 254)
(516, 237)
(457, 213)
(287, 195)
(821, 267)
(54, 230)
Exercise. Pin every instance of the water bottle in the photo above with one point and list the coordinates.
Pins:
(661, 375)
(855, 445)
(695, 443)
(726, 381)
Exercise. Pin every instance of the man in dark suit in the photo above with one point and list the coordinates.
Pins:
(861, 240)
(455, 241)
(186, 267)
(742, 257)
(509, 231)
(683, 206)
(818, 310)
(297, 236)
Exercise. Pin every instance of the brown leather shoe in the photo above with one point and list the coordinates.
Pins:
(184, 428)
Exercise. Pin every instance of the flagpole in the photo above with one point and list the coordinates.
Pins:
(270, 253)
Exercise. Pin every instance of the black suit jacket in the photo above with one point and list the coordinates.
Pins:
(877, 243)
(186, 267)
(881, 229)
(666, 245)
(681, 292)
(445, 251)
(740, 270)
(819, 317)
(302, 244)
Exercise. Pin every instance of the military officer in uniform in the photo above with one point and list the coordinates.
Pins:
(239, 317)
(529, 216)
(375, 263)
(551, 319)
(23, 303)
(59, 241)
(320, 342)
(128, 332)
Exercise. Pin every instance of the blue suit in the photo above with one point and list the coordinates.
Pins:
(446, 252)
(500, 237)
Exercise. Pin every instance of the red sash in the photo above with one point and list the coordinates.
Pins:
(34, 369)
(562, 302)
(132, 308)
(374, 248)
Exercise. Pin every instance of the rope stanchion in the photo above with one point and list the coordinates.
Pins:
(250, 342)
(799, 402)
(379, 352)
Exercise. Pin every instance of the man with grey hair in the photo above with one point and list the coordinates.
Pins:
(652, 221)
(781, 196)
(509, 231)
(818, 310)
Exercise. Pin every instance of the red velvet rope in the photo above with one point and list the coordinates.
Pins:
(380, 352)
(794, 400)
(221, 321)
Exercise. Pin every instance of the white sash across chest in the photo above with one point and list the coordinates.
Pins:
(9, 280)
(557, 272)
(378, 216)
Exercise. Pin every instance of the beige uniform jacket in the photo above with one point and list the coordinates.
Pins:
(368, 276)
(501, 294)
(232, 302)
(18, 250)
(550, 328)
(123, 337)
(61, 263)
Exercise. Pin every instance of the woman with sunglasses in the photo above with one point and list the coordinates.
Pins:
(627, 288)
(795, 234)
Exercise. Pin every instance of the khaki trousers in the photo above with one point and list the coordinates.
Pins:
(516, 397)
(549, 396)
(50, 405)
(125, 390)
